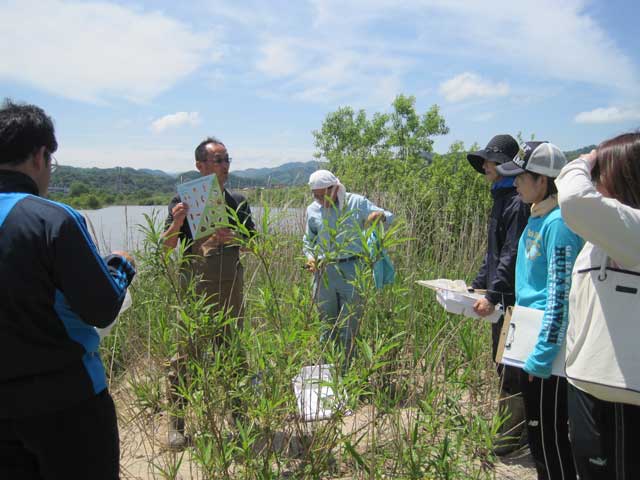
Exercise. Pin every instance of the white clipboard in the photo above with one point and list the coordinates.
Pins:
(519, 336)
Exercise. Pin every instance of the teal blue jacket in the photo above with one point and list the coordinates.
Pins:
(546, 253)
(338, 231)
(383, 271)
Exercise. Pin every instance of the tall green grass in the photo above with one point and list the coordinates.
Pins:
(417, 401)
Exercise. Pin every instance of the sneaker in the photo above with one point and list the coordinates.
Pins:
(176, 440)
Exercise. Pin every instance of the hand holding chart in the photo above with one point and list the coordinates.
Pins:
(207, 206)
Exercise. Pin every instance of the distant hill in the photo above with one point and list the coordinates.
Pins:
(112, 180)
(159, 173)
(234, 180)
(294, 173)
(129, 181)
(126, 181)
(573, 154)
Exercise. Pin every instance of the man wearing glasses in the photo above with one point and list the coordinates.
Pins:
(216, 263)
(57, 419)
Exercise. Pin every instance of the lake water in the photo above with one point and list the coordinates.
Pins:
(118, 227)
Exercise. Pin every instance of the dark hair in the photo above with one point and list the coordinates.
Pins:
(201, 149)
(23, 130)
(551, 185)
(617, 168)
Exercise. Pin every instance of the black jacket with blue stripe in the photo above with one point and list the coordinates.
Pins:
(55, 290)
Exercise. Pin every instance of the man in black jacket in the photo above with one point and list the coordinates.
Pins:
(507, 220)
(57, 419)
(215, 263)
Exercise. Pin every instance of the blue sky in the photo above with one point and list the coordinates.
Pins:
(140, 83)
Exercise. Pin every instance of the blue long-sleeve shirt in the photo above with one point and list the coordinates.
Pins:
(337, 230)
(546, 253)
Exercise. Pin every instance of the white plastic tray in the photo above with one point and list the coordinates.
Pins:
(454, 297)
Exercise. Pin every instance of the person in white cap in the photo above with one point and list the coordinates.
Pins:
(547, 251)
(333, 247)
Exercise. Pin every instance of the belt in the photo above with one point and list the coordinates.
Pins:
(225, 250)
(220, 252)
(347, 259)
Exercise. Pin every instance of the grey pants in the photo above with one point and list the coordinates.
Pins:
(340, 305)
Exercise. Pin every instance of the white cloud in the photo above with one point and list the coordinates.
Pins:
(483, 117)
(94, 51)
(545, 38)
(174, 120)
(609, 115)
(320, 71)
(470, 85)
(279, 58)
(335, 51)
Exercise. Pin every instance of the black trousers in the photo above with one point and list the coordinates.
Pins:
(604, 437)
(545, 404)
(80, 442)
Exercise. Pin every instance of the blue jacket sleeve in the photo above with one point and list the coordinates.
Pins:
(93, 287)
(561, 247)
(367, 207)
(501, 288)
(309, 238)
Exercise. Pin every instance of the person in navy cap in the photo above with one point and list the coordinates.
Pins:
(497, 274)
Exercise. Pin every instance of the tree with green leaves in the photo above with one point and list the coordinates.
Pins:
(371, 153)
(389, 158)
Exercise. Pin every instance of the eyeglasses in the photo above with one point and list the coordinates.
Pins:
(53, 163)
(218, 159)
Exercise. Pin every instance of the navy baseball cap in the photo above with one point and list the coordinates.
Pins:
(500, 149)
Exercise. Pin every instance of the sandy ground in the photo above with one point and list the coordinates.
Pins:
(517, 466)
(144, 455)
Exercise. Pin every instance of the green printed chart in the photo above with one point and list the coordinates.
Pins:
(207, 208)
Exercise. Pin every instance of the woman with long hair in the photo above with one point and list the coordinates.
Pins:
(599, 197)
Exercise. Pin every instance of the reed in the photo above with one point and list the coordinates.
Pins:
(417, 401)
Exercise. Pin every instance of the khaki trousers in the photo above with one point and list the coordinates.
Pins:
(219, 275)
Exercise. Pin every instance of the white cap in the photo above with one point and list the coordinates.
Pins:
(543, 158)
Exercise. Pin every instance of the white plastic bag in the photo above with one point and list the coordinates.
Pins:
(316, 400)
(126, 303)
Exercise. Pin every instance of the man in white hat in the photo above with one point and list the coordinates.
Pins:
(333, 246)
